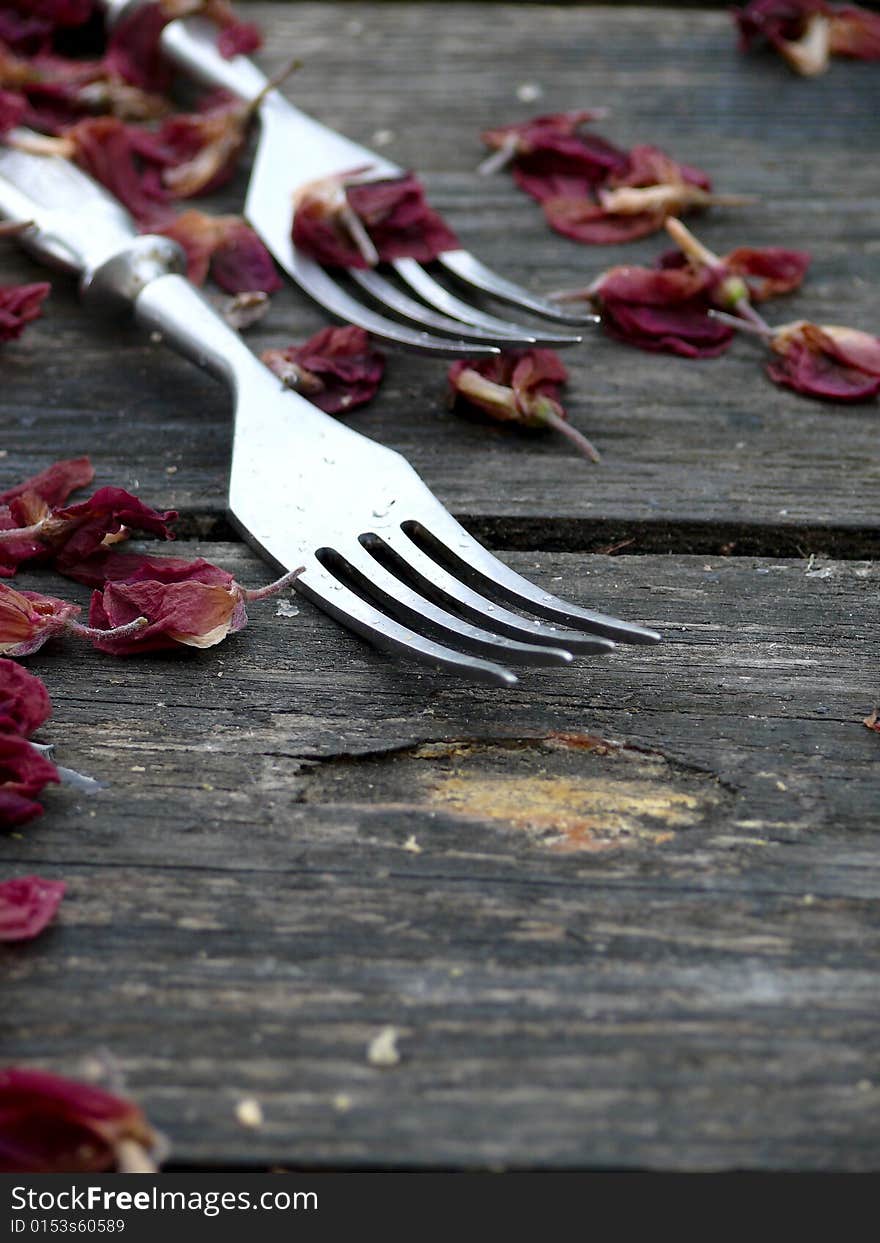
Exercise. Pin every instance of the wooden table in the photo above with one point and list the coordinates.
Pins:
(655, 951)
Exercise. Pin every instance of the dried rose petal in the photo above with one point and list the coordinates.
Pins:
(661, 310)
(855, 32)
(115, 154)
(133, 50)
(767, 271)
(635, 200)
(190, 613)
(54, 484)
(189, 608)
(28, 619)
(24, 700)
(806, 33)
(235, 37)
(552, 157)
(198, 151)
(50, 1125)
(237, 259)
(337, 368)
(28, 528)
(74, 533)
(669, 308)
(24, 771)
(348, 223)
(28, 502)
(517, 387)
(826, 361)
(27, 905)
(20, 305)
(109, 566)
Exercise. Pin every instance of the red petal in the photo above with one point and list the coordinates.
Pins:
(23, 770)
(108, 566)
(855, 32)
(28, 619)
(27, 905)
(191, 613)
(587, 222)
(53, 1125)
(54, 484)
(19, 306)
(133, 50)
(79, 530)
(24, 700)
(818, 374)
(239, 39)
(342, 360)
(768, 270)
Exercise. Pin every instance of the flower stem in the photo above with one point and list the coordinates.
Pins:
(589, 451)
(745, 309)
(17, 533)
(272, 589)
(500, 157)
(691, 246)
(754, 325)
(133, 1158)
(116, 632)
(275, 81)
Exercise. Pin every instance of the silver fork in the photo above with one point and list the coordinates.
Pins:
(380, 552)
(294, 150)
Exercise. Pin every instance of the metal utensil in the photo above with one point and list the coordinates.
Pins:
(381, 554)
(294, 150)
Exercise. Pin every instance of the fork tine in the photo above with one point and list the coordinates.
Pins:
(394, 299)
(312, 278)
(416, 610)
(468, 268)
(446, 540)
(334, 597)
(444, 300)
(433, 580)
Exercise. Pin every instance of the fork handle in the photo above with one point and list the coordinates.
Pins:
(77, 227)
(191, 44)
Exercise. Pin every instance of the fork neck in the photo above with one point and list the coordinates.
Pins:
(172, 307)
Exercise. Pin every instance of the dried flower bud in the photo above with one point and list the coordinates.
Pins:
(518, 387)
(337, 369)
(51, 1125)
(345, 221)
(552, 156)
(635, 200)
(807, 33)
(28, 619)
(181, 608)
(826, 361)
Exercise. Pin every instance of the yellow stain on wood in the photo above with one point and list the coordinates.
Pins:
(582, 813)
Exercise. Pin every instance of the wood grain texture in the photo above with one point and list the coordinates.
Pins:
(247, 909)
(696, 454)
(655, 951)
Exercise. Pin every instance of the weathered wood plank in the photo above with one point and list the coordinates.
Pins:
(663, 957)
(710, 443)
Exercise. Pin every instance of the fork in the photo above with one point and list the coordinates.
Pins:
(379, 551)
(294, 150)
